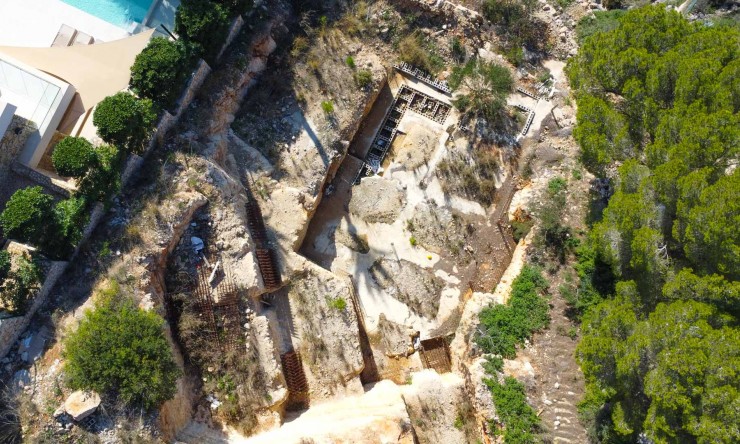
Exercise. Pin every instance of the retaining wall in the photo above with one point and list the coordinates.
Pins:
(236, 26)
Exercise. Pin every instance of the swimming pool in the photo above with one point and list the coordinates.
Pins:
(118, 12)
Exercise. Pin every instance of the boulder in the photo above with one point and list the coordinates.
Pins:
(81, 404)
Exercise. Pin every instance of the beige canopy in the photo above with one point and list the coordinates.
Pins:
(96, 71)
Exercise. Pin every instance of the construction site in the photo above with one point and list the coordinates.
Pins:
(321, 266)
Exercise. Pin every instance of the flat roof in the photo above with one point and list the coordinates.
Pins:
(32, 92)
(38, 97)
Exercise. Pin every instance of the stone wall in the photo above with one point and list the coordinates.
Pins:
(12, 328)
(234, 29)
(191, 89)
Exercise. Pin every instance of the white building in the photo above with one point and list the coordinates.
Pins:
(56, 89)
(37, 97)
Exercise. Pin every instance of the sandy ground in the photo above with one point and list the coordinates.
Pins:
(378, 416)
(383, 414)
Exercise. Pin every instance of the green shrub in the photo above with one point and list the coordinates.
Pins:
(27, 216)
(363, 77)
(521, 228)
(520, 422)
(204, 24)
(413, 241)
(493, 364)
(105, 180)
(556, 185)
(161, 70)
(350, 62)
(600, 21)
(459, 422)
(125, 121)
(487, 86)
(4, 264)
(457, 49)
(411, 49)
(517, 25)
(120, 350)
(327, 106)
(71, 217)
(73, 157)
(20, 284)
(338, 303)
(236, 7)
(505, 326)
(553, 235)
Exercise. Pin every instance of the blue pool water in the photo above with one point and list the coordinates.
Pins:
(118, 12)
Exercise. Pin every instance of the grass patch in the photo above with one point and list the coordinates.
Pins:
(338, 303)
(327, 106)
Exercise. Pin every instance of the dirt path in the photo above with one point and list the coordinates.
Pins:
(559, 383)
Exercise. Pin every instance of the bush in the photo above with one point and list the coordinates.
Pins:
(487, 86)
(4, 264)
(554, 235)
(600, 21)
(120, 350)
(327, 106)
(125, 121)
(236, 7)
(338, 303)
(412, 50)
(105, 180)
(505, 326)
(71, 217)
(204, 24)
(521, 423)
(517, 25)
(363, 77)
(73, 157)
(20, 283)
(350, 62)
(457, 49)
(27, 216)
(160, 71)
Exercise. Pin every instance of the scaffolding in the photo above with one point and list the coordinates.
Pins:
(407, 99)
(265, 255)
(220, 307)
(435, 354)
(295, 378)
(423, 76)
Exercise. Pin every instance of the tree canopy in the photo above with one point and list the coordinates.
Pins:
(161, 70)
(73, 156)
(658, 102)
(485, 87)
(125, 121)
(203, 23)
(120, 350)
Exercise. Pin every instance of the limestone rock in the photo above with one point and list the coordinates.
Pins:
(81, 404)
